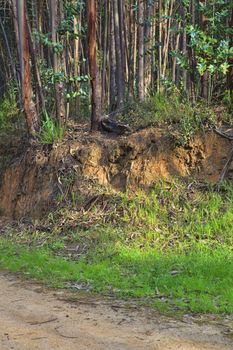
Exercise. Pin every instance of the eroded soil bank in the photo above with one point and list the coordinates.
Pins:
(32, 317)
(31, 184)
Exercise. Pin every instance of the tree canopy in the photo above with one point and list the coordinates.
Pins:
(57, 54)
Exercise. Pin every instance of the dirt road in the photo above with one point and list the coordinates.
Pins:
(32, 318)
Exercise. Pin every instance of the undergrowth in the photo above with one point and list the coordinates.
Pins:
(51, 131)
(171, 248)
(182, 118)
(8, 112)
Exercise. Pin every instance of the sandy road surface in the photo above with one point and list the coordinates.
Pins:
(32, 317)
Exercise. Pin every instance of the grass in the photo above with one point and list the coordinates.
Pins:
(170, 248)
(182, 118)
(200, 281)
(9, 112)
(51, 131)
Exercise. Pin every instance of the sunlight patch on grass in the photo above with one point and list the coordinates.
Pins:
(201, 281)
(171, 248)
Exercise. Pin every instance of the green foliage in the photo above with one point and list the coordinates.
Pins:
(73, 86)
(46, 41)
(228, 100)
(208, 42)
(170, 248)
(173, 218)
(196, 282)
(51, 131)
(211, 54)
(183, 119)
(8, 111)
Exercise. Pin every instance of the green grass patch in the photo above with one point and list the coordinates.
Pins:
(182, 118)
(51, 131)
(9, 112)
(201, 281)
(171, 248)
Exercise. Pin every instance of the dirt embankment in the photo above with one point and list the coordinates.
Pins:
(31, 184)
(32, 317)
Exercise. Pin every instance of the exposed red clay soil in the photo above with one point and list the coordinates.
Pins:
(30, 185)
(32, 317)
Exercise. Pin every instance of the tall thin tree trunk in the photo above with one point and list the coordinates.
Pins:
(95, 114)
(15, 21)
(154, 53)
(230, 73)
(112, 61)
(35, 68)
(159, 74)
(204, 78)
(8, 48)
(148, 44)
(28, 104)
(119, 62)
(126, 42)
(104, 68)
(122, 38)
(59, 93)
(76, 55)
(184, 48)
(167, 38)
(191, 56)
(131, 51)
(174, 68)
(141, 85)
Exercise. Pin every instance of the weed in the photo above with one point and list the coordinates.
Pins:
(170, 248)
(51, 131)
(200, 281)
(5, 160)
(183, 119)
(8, 111)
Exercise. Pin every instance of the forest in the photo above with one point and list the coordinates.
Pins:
(116, 174)
(55, 53)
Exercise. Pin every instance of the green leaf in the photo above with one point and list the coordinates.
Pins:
(224, 67)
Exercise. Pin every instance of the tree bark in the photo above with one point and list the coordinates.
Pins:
(105, 47)
(119, 72)
(148, 44)
(36, 71)
(28, 104)
(141, 92)
(204, 78)
(12, 63)
(131, 28)
(95, 113)
(59, 93)
(184, 47)
(112, 62)
(159, 72)
(230, 73)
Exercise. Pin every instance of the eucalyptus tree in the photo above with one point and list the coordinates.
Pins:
(56, 8)
(105, 53)
(24, 58)
(141, 51)
(95, 101)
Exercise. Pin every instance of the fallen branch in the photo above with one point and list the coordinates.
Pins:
(113, 126)
(63, 335)
(225, 170)
(42, 322)
(223, 134)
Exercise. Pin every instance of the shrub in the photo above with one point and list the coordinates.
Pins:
(51, 131)
(8, 111)
(183, 119)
